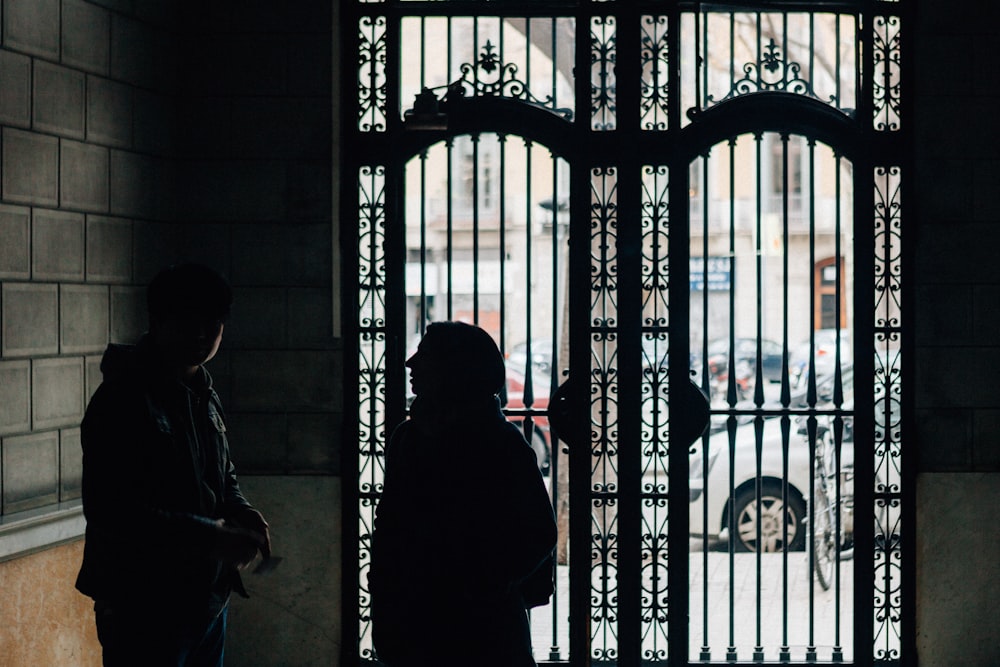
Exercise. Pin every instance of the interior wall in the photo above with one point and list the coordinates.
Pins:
(85, 177)
(957, 315)
(254, 188)
(134, 134)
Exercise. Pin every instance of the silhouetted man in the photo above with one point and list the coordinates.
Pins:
(167, 525)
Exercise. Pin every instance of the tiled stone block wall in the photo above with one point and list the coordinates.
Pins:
(957, 274)
(255, 155)
(957, 282)
(81, 178)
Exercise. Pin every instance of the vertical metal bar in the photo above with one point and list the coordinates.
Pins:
(758, 393)
(679, 305)
(863, 335)
(758, 54)
(474, 138)
(555, 64)
(449, 188)
(423, 314)
(706, 653)
(502, 214)
(450, 225)
(784, 653)
(475, 49)
(812, 50)
(811, 536)
(528, 301)
(731, 402)
(349, 235)
(786, 46)
(838, 653)
(732, 52)
(554, 650)
(502, 236)
(475, 226)
(423, 52)
(628, 78)
(701, 66)
(579, 386)
(837, 92)
(758, 654)
(527, 50)
(811, 420)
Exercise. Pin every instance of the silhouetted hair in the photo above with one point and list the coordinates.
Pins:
(468, 354)
(189, 290)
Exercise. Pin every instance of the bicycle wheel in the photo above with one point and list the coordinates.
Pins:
(823, 542)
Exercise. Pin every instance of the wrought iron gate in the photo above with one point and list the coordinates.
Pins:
(682, 224)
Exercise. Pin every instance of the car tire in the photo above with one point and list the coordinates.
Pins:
(772, 532)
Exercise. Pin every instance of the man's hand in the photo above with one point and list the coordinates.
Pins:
(235, 545)
(252, 520)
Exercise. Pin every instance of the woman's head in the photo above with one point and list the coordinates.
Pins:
(459, 359)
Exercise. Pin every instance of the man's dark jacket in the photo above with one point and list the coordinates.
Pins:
(156, 476)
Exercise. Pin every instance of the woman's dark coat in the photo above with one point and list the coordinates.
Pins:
(464, 518)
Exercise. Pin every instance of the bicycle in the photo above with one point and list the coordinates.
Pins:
(831, 535)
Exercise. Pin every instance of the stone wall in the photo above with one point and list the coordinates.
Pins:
(83, 188)
(137, 133)
(255, 170)
(957, 282)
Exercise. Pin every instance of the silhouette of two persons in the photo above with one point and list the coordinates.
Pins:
(464, 519)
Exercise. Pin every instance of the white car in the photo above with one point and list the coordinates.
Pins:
(781, 516)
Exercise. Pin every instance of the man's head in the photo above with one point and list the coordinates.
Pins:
(188, 307)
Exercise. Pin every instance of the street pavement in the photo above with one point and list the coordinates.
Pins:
(791, 612)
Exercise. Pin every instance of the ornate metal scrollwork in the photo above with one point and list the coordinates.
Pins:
(371, 74)
(771, 73)
(488, 76)
(603, 87)
(886, 63)
(887, 453)
(371, 376)
(653, 91)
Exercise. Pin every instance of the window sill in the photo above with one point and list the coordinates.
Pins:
(24, 533)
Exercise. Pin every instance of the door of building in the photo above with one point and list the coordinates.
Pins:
(646, 204)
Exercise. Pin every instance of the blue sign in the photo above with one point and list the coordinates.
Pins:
(715, 278)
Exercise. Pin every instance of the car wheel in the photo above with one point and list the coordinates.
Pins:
(770, 516)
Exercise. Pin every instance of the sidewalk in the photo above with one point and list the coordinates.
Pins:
(775, 618)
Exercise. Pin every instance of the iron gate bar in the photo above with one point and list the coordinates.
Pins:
(759, 395)
(705, 653)
(784, 653)
(838, 400)
(475, 222)
(731, 401)
(811, 400)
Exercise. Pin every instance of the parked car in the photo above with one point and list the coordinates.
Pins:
(541, 355)
(745, 364)
(825, 354)
(711, 493)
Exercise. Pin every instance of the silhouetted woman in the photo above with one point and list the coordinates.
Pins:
(464, 517)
